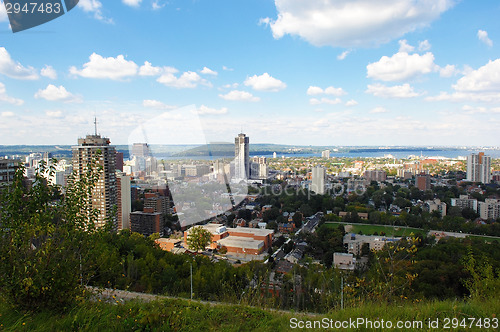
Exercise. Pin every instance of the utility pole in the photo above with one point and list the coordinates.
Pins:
(342, 292)
(191, 281)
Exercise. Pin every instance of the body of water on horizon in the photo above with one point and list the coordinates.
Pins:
(354, 154)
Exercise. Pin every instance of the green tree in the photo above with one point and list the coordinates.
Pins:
(198, 238)
(46, 242)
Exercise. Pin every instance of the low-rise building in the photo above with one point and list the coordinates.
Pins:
(241, 240)
(168, 244)
(465, 202)
(344, 261)
(354, 242)
(436, 205)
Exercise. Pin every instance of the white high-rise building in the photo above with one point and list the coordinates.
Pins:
(325, 154)
(241, 157)
(95, 148)
(479, 168)
(318, 180)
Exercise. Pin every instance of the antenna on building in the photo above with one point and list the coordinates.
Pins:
(95, 124)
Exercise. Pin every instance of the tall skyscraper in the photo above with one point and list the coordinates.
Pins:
(479, 168)
(241, 157)
(140, 150)
(104, 195)
(318, 180)
(325, 154)
(124, 200)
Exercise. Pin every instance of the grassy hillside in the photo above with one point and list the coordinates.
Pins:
(183, 315)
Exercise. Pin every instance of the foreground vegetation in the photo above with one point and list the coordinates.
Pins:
(184, 315)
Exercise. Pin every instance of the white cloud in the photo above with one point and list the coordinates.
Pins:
(482, 84)
(149, 70)
(265, 82)
(132, 3)
(474, 110)
(484, 79)
(378, 110)
(3, 13)
(49, 72)
(448, 71)
(208, 71)
(315, 90)
(397, 91)
(231, 86)
(54, 93)
(204, 110)
(265, 21)
(401, 66)
(14, 69)
(227, 68)
(343, 55)
(405, 47)
(188, 79)
(335, 91)
(106, 68)
(94, 6)
(156, 5)
(351, 102)
(7, 114)
(53, 114)
(315, 101)
(424, 46)
(483, 36)
(239, 96)
(353, 23)
(7, 98)
(151, 103)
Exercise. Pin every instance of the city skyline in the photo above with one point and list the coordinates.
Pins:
(429, 78)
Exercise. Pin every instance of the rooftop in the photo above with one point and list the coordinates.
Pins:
(241, 242)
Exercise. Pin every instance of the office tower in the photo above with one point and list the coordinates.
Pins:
(479, 168)
(318, 180)
(241, 157)
(124, 200)
(423, 182)
(95, 148)
(140, 150)
(325, 154)
(274, 154)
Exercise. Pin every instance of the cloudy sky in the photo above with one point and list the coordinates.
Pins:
(319, 72)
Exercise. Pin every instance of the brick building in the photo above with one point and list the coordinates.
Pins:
(243, 240)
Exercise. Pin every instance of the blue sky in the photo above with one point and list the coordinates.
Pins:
(316, 72)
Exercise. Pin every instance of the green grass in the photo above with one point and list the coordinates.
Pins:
(183, 315)
(371, 229)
